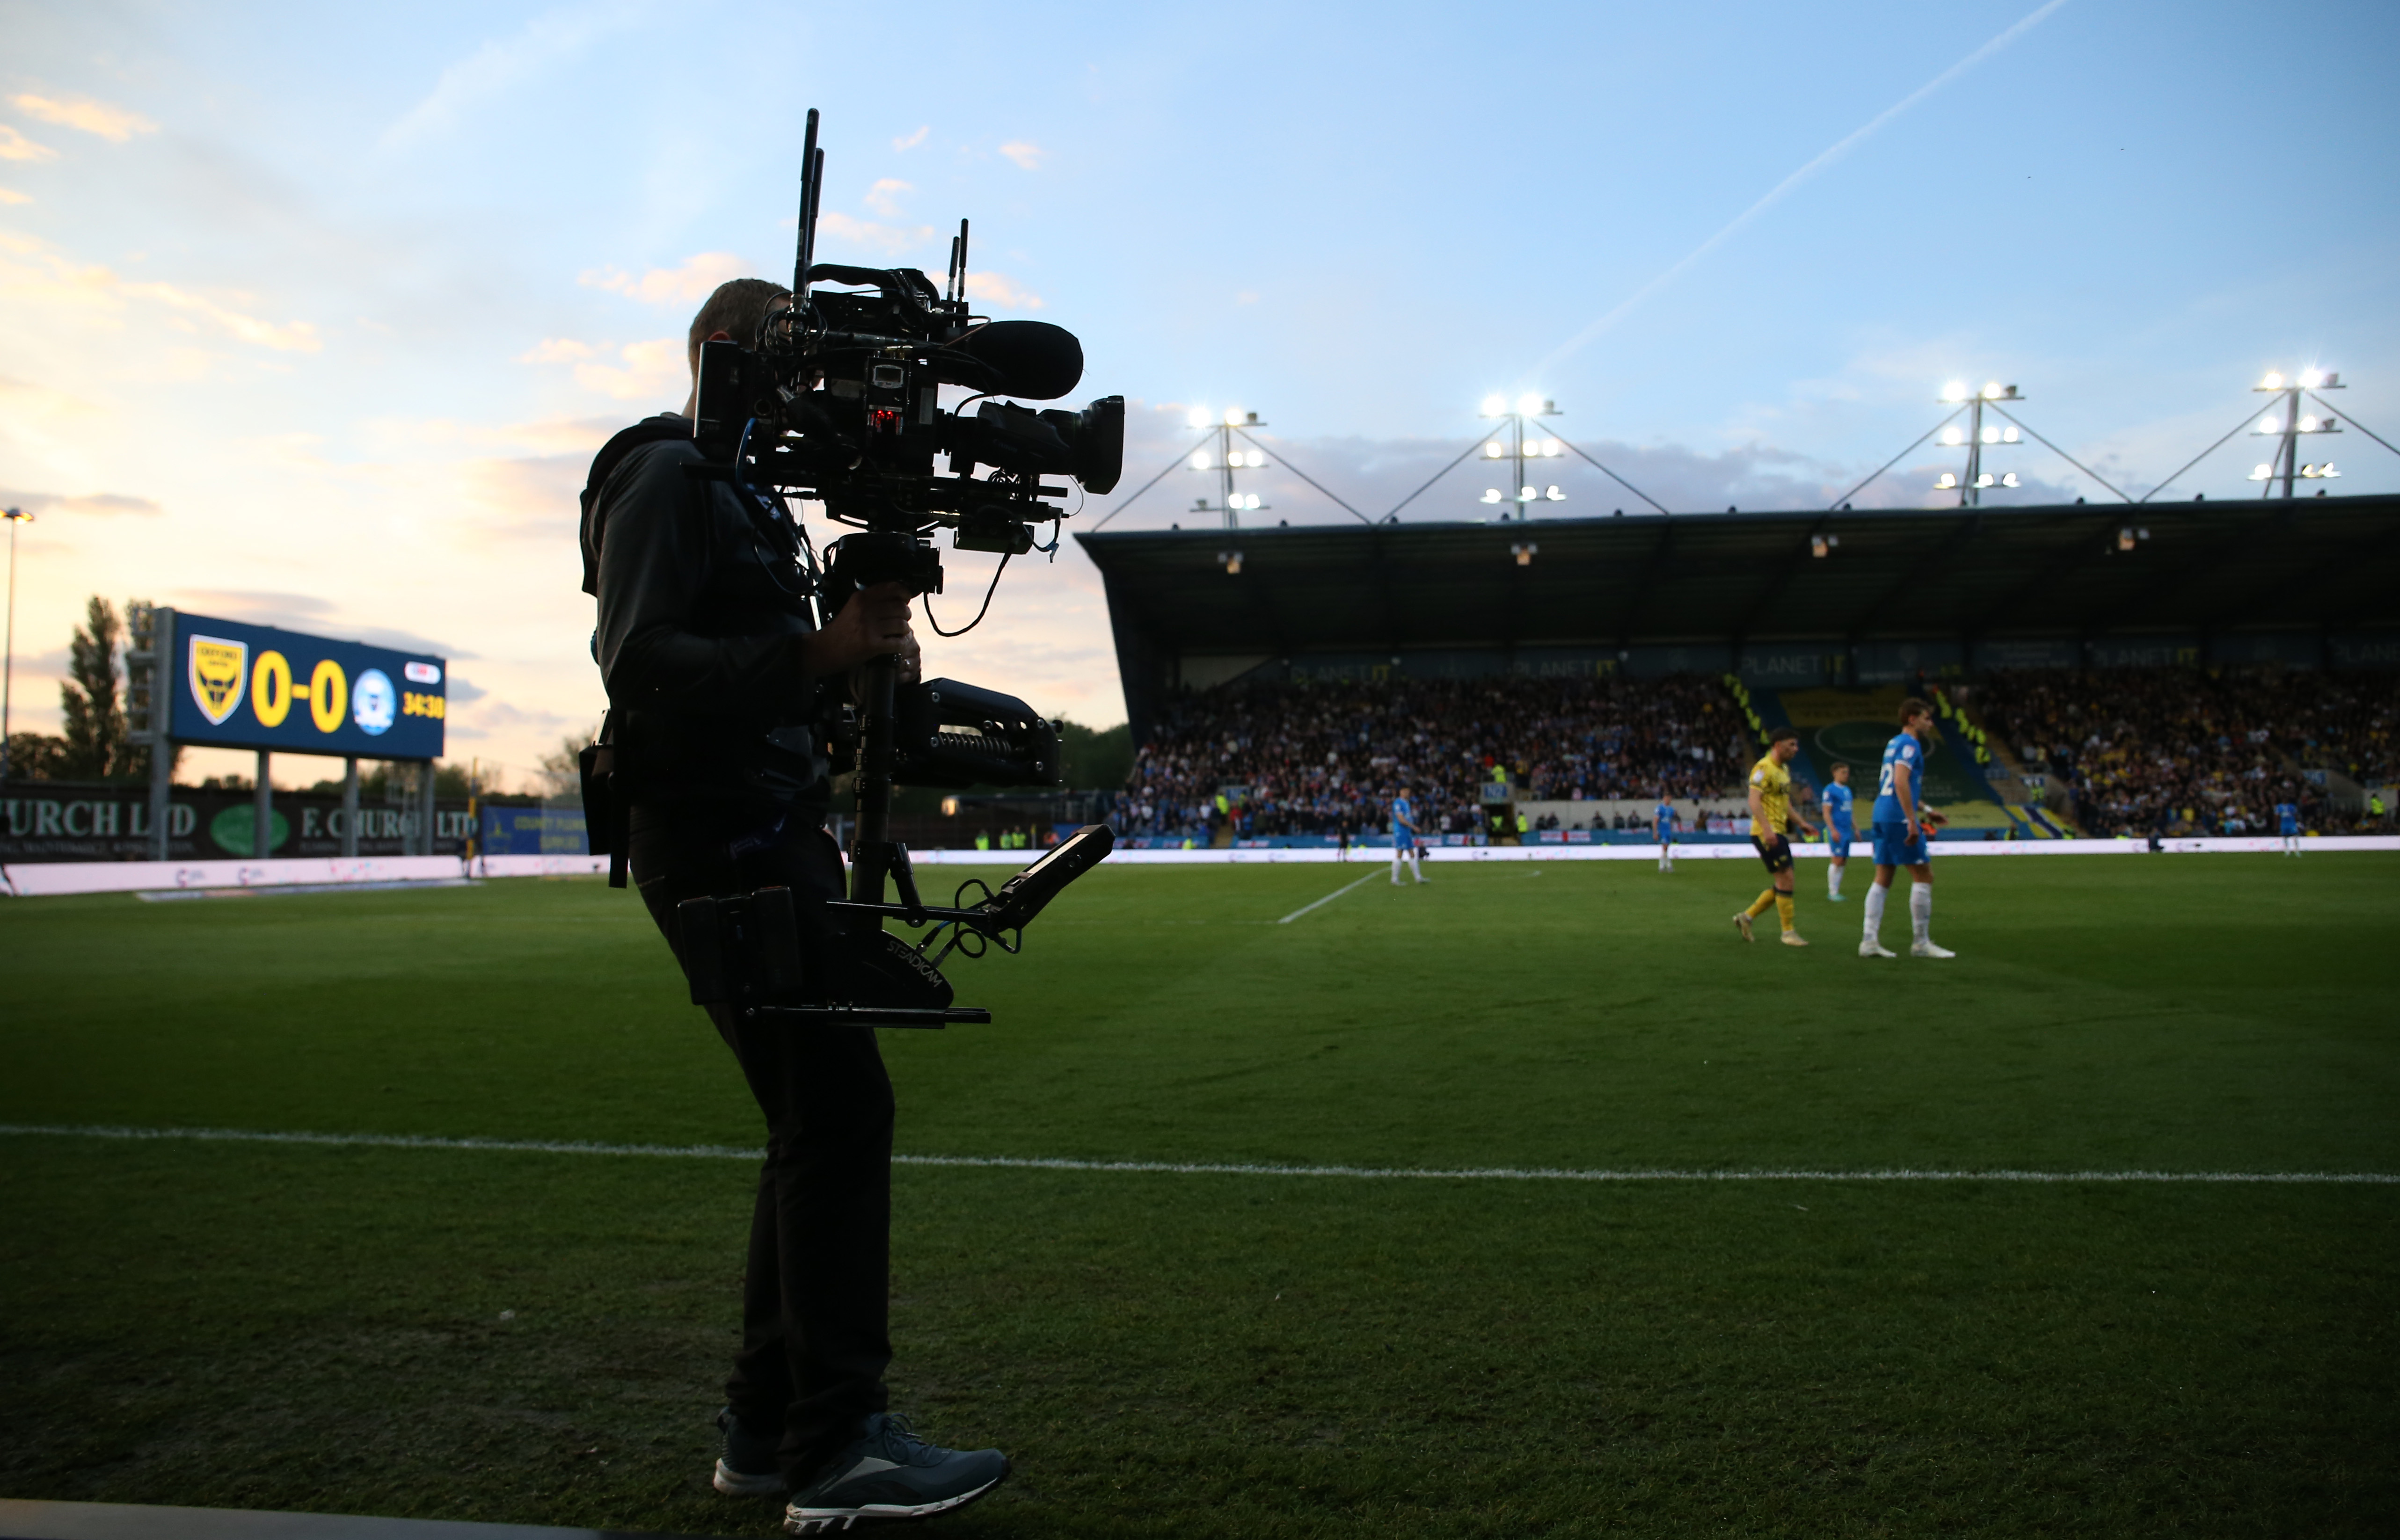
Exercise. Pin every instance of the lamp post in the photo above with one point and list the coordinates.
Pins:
(1520, 438)
(2285, 423)
(8, 650)
(1975, 436)
(1224, 460)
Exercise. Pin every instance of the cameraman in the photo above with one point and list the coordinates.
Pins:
(714, 665)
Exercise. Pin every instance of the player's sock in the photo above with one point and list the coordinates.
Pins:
(1877, 896)
(1920, 910)
(1416, 865)
(1396, 867)
(1785, 908)
(1833, 880)
(1759, 904)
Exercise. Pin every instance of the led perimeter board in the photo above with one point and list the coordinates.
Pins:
(245, 686)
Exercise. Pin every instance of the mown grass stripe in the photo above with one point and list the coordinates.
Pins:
(1201, 1168)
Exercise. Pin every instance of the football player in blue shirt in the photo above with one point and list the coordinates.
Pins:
(1839, 831)
(1903, 827)
(1404, 837)
(1663, 819)
(2287, 820)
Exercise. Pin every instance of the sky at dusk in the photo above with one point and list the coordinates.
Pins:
(313, 316)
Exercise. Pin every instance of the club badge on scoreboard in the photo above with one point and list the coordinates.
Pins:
(220, 668)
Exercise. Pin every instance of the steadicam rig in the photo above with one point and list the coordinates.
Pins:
(837, 400)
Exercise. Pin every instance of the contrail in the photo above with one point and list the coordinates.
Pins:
(1774, 195)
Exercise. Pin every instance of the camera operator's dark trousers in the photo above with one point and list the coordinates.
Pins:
(815, 1336)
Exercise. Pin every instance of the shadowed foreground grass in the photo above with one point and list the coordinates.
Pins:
(536, 1337)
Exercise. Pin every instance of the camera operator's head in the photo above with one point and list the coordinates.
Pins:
(731, 314)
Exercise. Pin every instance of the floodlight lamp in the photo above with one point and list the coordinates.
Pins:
(1491, 493)
(1552, 449)
(1553, 493)
(17, 515)
(2328, 469)
(1991, 434)
(2271, 425)
(1953, 436)
(2273, 381)
(1948, 483)
(1197, 418)
(1232, 417)
(2308, 473)
(1955, 390)
(1983, 479)
(2010, 435)
(1493, 407)
(2009, 480)
(1526, 494)
(1200, 460)
(2261, 474)
(1992, 390)
(2307, 425)
(1492, 450)
(1529, 405)
(2310, 378)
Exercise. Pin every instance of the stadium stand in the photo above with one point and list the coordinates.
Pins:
(2184, 750)
(1316, 757)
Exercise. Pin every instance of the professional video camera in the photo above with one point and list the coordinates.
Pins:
(836, 400)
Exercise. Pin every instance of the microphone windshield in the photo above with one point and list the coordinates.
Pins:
(1017, 358)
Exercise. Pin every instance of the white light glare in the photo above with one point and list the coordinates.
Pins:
(2009, 480)
(2273, 382)
(1529, 405)
(1991, 434)
(1948, 483)
(2312, 378)
(1526, 494)
(1992, 390)
(2271, 425)
(2307, 425)
(1232, 417)
(1491, 494)
(1552, 449)
(1554, 495)
(1199, 418)
(1953, 437)
(1495, 406)
(1255, 458)
(2009, 435)
(1983, 479)
(1955, 390)
(2259, 474)
(1200, 460)
(1492, 450)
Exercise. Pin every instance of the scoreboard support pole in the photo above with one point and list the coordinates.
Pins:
(351, 807)
(262, 812)
(424, 810)
(161, 663)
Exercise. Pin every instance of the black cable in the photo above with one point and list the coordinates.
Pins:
(979, 614)
(1306, 477)
(1835, 505)
(2055, 450)
(2345, 416)
(2195, 461)
(1145, 486)
(1436, 476)
(1617, 479)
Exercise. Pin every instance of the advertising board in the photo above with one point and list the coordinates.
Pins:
(248, 687)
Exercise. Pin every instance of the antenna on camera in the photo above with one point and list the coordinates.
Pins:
(811, 181)
(955, 286)
(962, 259)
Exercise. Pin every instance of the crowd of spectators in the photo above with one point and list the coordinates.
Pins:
(1320, 759)
(2184, 750)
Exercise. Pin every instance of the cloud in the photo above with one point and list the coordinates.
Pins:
(101, 503)
(500, 65)
(52, 278)
(653, 370)
(1000, 290)
(462, 693)
(1027, 156)
(295, 337)
(695, 279)
(910, 141)
(16, 146)
(889, 239)
(260, 606)
(114, 124)
(555, 350)
(10, 195)
(884, 196)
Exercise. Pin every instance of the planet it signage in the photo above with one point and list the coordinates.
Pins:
(250, 687)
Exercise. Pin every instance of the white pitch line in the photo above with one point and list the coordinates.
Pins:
(1199, 1168)
(1328, 898)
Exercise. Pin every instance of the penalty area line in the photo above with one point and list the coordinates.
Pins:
(1197, 1168)
(1328, 898)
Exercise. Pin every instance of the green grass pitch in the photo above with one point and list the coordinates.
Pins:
(538, 1338)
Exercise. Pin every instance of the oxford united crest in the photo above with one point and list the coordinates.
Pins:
(219, 671)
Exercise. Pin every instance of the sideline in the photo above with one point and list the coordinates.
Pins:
(1201, 1168)
(1328, 898)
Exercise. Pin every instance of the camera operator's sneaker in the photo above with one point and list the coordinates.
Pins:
(890, 1473)
(747, 1468)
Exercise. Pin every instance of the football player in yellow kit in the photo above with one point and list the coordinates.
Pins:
(1771, 819)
